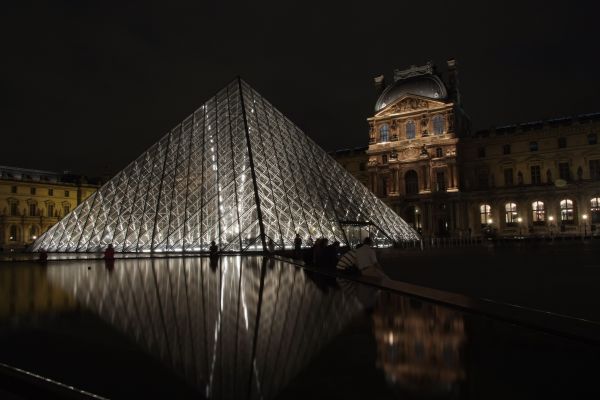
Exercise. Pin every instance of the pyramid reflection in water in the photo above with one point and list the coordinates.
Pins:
(235, 171)
(237, 328)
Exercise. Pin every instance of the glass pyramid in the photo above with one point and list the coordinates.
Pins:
(236, 171)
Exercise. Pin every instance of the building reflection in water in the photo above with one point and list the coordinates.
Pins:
(241, 328)
(420, 346)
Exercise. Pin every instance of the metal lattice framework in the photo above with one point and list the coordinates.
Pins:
(236, 171)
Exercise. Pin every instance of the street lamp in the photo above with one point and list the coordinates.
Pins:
(519, 220)
(584, 216)
(551, 220)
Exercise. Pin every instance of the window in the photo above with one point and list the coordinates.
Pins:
(438, 152)
(66, 209)
(485, 214)
(66, 193)
(50, 192)
(13, 233)
(508, 177)
(384, 132)
(410, 130)
(566, 211)
(506, 149)
(438, 125)
(440, 181)
(32, 191)
(592, 138)
(32, 210)
(14, 210)
(539, 213)
(595, 170)
(50, 209)
(481, 152)
(562, 142)
(595, 210)
(384, 159)
(511, 213)
(563, 171)
(13, 189)
(411, 182)
(533, 146)
(536, 177)
(33, 233)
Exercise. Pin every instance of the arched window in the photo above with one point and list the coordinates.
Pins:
(566, 211)
(384, 133)
(595, 210)
(410, 130)
(411, 182)
(13, 233)
(485, 214)
(438, 124)
(511, 213)
(539, 212)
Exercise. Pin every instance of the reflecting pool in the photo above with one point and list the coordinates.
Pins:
(256, 328)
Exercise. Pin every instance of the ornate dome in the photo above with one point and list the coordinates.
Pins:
(423, 85)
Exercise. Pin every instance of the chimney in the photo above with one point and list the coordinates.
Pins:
(379, 84)
(453, 81)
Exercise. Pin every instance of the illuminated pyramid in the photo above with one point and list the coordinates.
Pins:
(236, 171)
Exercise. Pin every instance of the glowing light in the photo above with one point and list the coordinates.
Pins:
(490, 221)
(550, 218)
(584, 216)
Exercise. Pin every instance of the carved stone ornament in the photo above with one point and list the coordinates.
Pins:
(409, 104)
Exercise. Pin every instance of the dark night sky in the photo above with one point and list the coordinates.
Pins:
(87, 86)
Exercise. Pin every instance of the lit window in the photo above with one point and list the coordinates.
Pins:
(533, 146)
(595, 210)
(384, 131)
(410, 130)
(506, 149)
(536, 177)
(438, 124)
(485, 214)
(539, 212)
(511, 213)
(566, 211)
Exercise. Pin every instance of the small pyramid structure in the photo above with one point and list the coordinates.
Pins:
(236, 171)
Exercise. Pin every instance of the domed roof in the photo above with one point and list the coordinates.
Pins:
(423, 85)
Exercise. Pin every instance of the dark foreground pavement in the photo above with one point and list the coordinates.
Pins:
(562, 278)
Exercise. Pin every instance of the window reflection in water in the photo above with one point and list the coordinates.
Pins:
(420, 346)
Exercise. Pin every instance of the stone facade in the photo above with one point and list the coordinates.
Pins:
(540, 178)
(31, 201)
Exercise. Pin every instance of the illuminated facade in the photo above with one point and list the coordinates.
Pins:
(533, 179)
(236, 171)
(32, 201)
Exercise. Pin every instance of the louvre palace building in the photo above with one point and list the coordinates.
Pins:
(532, 179)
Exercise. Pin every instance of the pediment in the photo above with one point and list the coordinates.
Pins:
(409, 103)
